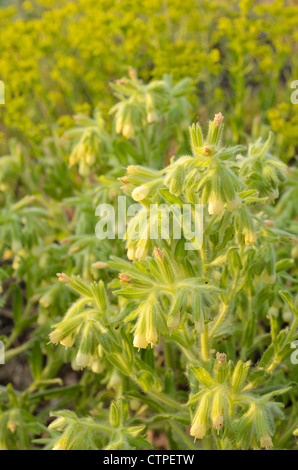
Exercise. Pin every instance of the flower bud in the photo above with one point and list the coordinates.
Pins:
(140, 193)
(206, 150)
(100, 265)
(119, 123)
(58, 423)
(124, 278)
(63, 277)
(97, 367)
(221, 358)
(217, 422)
(218, 119)
(55, 336)
(82, 359)
(128, 131)
(142, 249)
(158, 253)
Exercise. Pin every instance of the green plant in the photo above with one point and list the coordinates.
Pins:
(151, 337)
(218, 297)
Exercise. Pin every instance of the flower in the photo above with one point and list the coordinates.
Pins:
(217, 422)
(82, 359)
(58, 423)
(128, 131)
(142, 249)
(218, 119)
(198, 430)
(131, 253)
(151, 336)
(221, 358)
(140, 193)
(67, 341)
(63, 277)
(55, 336)
(206, 150)
(216, 207)
(250, 238)
(158, 253)
(234, 204)
(140, 341)
(60, 445)
(266, 442)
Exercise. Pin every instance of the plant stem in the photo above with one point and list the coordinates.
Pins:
(205, 344)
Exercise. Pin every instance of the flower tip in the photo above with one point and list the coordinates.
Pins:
(63, 277)
(266, 442)
(218, 119)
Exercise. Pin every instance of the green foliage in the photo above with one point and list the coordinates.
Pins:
(144, 336)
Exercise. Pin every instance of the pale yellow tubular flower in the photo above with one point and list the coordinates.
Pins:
(82, 359)
(128, 131)
(151, 336)
(63, 277)
(216, 207)
(57, 423)
(131, 253)
(140, 193)
(218, 422)
(119, 123)
(198, 430)
(250, 238)
(68, 341)
(60, 445)
(141, 250)
(234, 204)
(140, 341)
(266, 442)
(55, 336)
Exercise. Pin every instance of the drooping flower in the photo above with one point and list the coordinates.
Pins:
(140, 193)
(198, 430)
(216, 206)
(266, 442)
(234, 204)
(140, 341)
